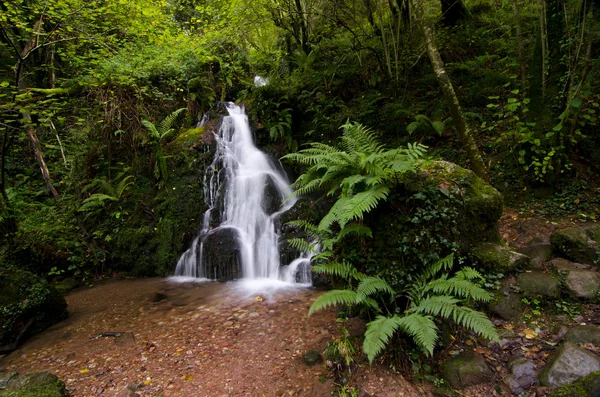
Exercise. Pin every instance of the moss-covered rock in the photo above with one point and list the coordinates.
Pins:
(537, 283)
(583, 284)
(567, 364)
(492, 256)
(481, 204)
(507, 307)
(28, 304)
(466, 369)
(588, 386)
(38, 384)
(584, 334)
(579, 244)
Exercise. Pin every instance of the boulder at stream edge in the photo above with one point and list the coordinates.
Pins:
(38, 384)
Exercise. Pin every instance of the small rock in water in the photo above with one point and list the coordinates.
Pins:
(312, 357)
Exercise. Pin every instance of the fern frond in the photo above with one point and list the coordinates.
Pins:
(433, 269)
(333, 298)
(151, 128)
(459, 287)
(421, 329)
(468, 273)
(475, 321)
(378, 334)
(354, 228)
(165, 125)
(343, 270)
(372, 285)
(302, 245)
(443, 306)
(360, 203)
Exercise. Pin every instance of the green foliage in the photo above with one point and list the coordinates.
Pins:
(158, 135)
(432, 294)
(360, 170)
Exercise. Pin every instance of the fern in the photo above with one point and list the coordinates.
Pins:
(372, 285)
(333, 298)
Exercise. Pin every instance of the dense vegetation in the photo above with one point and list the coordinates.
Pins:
(102, 157)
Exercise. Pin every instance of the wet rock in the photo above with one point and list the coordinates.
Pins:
(157, 297)
(588, 386)
(31, 304)
(584, 334)
(567, 364)
(38, 384)
(522, 375)
(583, 283)
(579, 244)
(221, 255)
(467, 369)
(508, 307)
(538, 253)
(312, 357)
(498, 257)
(536, 283)
(272, 198)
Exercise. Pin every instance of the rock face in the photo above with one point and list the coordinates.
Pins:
(38, 384)
(466, 369)
(222, 255)
(567, 364)
(538, 283)
(583, 283)
(28, 304)
(312, 357)
(497, 257)
(580, 244)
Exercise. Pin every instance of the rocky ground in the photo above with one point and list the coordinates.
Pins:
(191, 340)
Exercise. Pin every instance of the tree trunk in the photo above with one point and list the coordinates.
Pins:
(520, 47)
(462, 128)
(31, 133)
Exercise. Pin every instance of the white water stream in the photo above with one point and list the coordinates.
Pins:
(235, 187)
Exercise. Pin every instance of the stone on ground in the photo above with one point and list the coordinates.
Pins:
(588, 386)
(539, 253)
(583, 283)
(584, 334)
(467, 369)
(579, 244)
(538, 283)
(508, 307)
(522, 375)
(38, 384)
(562, 264)
(567, 364)
(312, 357)
(497, 257)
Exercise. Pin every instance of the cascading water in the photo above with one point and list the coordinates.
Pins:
(245, 194)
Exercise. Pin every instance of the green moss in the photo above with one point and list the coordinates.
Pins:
(493, 256)
(587, 386)
(187, 139)
(39, 384)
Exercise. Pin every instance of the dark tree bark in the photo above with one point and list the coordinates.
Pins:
(453, 12)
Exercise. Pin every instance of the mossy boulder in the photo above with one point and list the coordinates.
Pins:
(537, 283)
(579, 244)
(480, 206)
(583, 284)
(567, 364)
(221, 255)
(588, 386)
(584, 334)
(492, 256)
(38, 384)
(28, 304)
(467, 369)
(507, 307)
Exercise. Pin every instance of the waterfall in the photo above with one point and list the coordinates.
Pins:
(245, 194)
